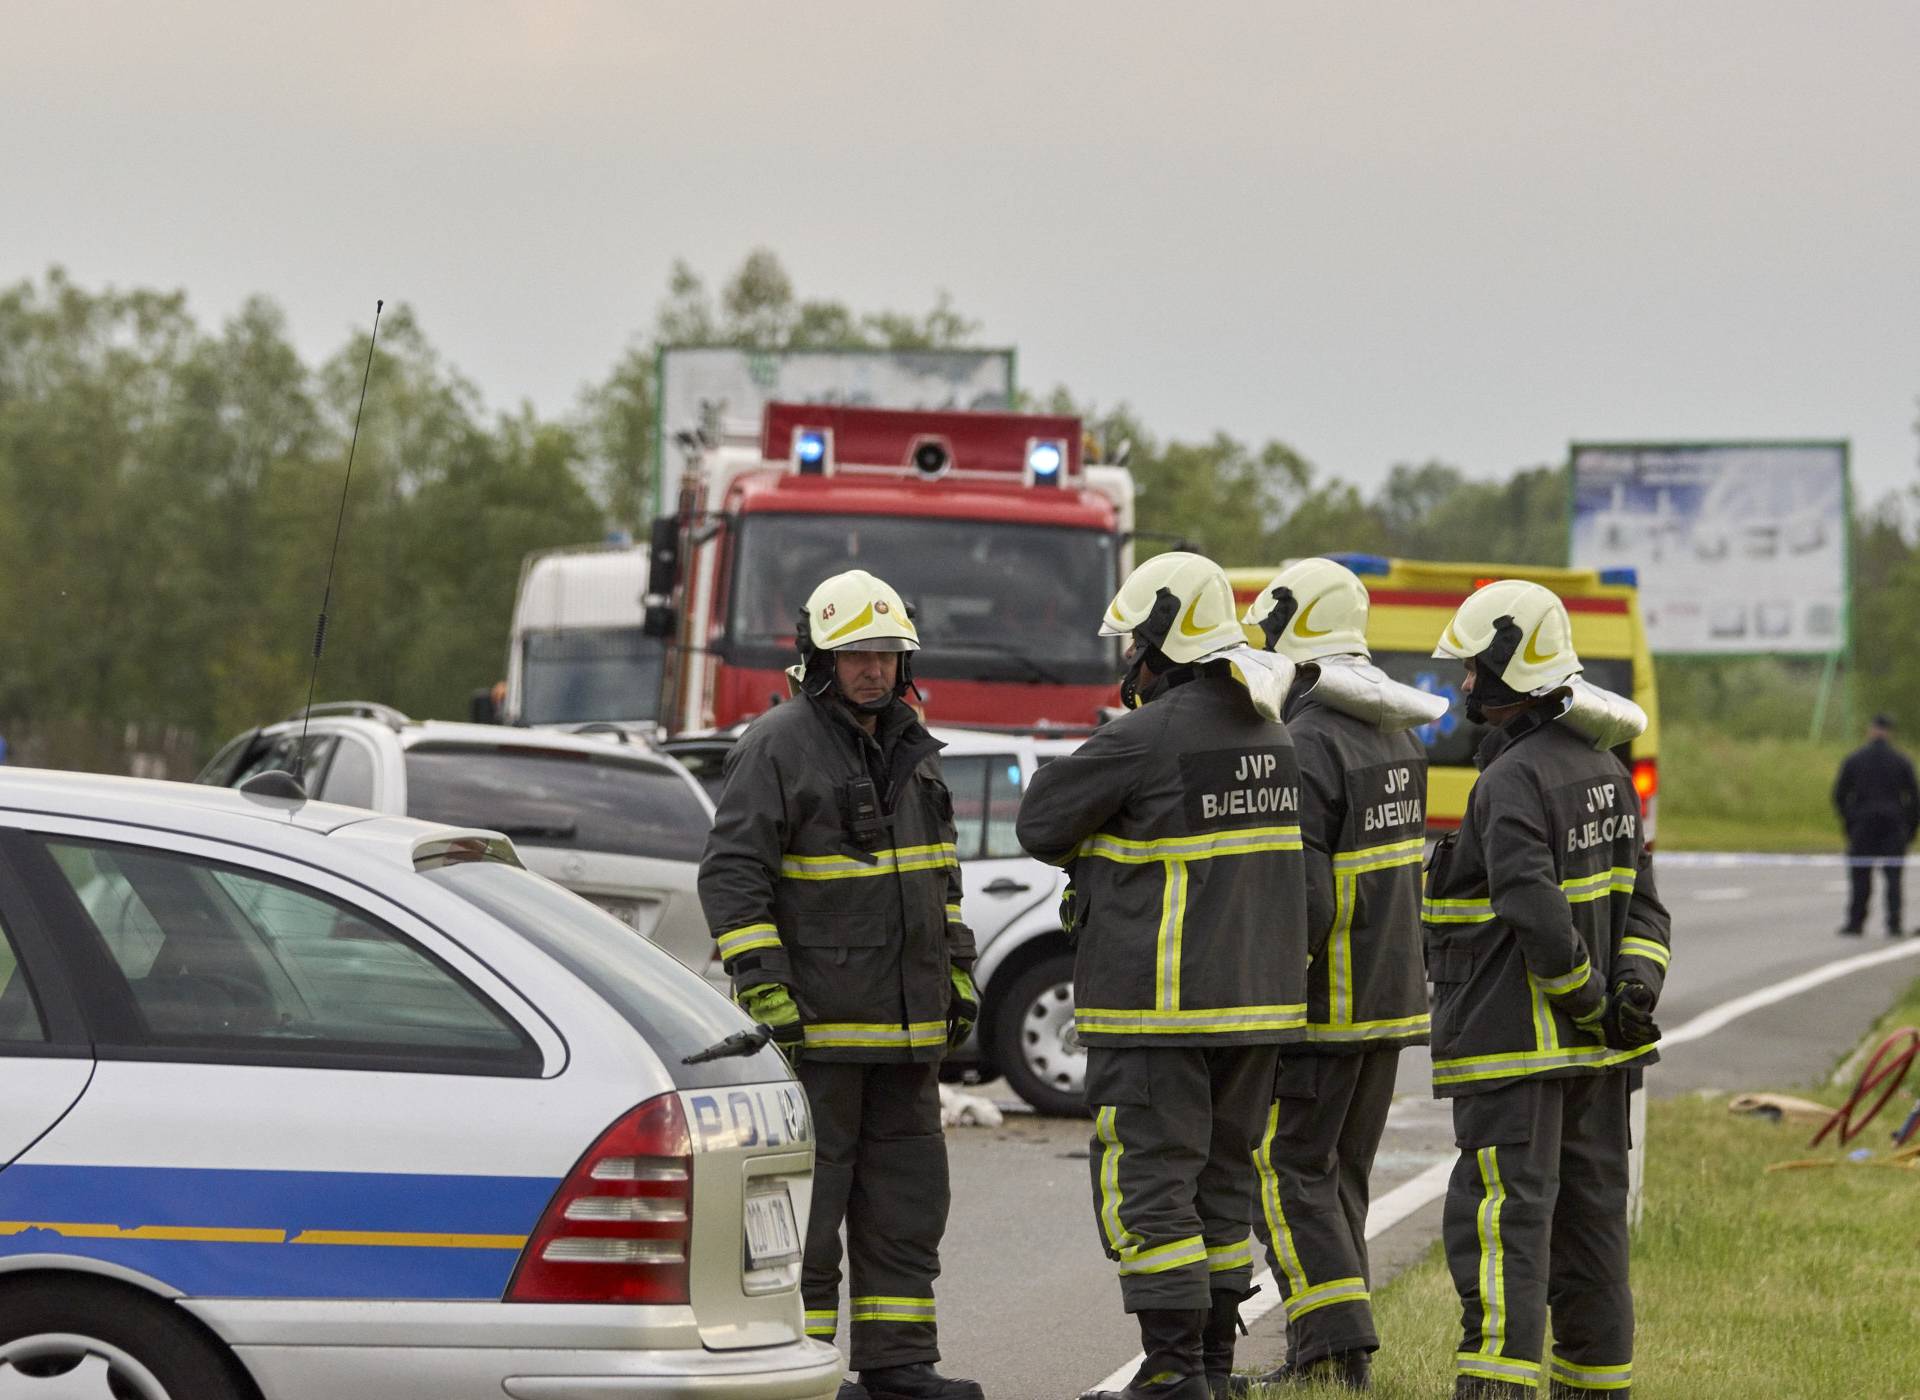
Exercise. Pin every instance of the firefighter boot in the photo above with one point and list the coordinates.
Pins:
(1557, 1391)
(1216, 1342)
(917, 1382)
(851, 1389)
(1173, 1368)
(1352, 1370)
(1476, 1388)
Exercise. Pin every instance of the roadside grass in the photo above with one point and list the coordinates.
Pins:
(1794, 1285)
(1722, 791)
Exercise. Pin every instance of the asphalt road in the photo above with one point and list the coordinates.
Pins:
(1031, 1307)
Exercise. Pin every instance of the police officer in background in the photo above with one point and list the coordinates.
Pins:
(1879, 805)
(1547, 947)
(1180, 823)
(1363, 787)
(832, 886)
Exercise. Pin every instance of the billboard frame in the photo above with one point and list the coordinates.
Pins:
(660, 352)
(1835, 660)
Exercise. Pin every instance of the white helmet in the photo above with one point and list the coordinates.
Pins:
(1519, 632)
(1180, 604)
(856, 611)
(1312, 608)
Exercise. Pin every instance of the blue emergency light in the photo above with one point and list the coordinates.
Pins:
(810, 451)
(1045, 458)
(1364, 563)
(1625, 577)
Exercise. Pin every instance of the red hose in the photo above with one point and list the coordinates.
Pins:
(1891, 1075)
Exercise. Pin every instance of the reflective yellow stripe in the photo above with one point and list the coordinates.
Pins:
(1278, 1230)
(1493, 1264)
(747, 938)
(854, 1034)
(1379, 857)
(822, 1322)
(402, 1239)
(1221, 1020)
(1497, 1368)
(230, 1234)
(1247, 841)
(1325, 1295)
(1656, 953)
(953, 913)
(1513, 1063)
(1566, 982)
(1173, 914)
(1456, 911)
(1546, 1035)
(1393, 1029)
(1582, 888)
(890, 1310)
(1230, 1256)
(1591, 1377)
(1111, 1148)
(893, 860)
(1164, 1258)
(1340, 951)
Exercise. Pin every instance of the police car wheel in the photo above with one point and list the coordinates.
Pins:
(81, 1340)
(1034, 1042)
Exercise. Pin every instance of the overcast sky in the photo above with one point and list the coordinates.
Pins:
(1468, 231)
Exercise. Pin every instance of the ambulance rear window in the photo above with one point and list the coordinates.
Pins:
(1451, 739)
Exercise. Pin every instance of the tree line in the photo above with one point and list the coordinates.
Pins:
(169, 495)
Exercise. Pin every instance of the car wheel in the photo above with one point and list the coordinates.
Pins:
(1034, 1041)
(85, 1341)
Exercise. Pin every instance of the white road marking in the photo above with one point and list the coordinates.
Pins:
(1409, 1196)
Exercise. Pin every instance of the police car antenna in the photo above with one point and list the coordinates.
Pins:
(326, 594)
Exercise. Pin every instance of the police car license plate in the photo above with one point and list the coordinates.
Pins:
(773, 1237)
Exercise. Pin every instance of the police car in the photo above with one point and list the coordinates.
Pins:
(300, 1101)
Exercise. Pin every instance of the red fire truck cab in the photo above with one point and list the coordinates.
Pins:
(1005, 543)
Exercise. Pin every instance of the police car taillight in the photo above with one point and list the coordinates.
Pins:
(619, 1228)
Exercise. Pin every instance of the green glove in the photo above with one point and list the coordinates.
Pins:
(1069, 911)
(772, 1006)
(964, 1009)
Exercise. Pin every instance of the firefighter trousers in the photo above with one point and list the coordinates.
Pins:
(1323, 1129)
(1175, 1128)
(880, 1166)
(1536, 1218)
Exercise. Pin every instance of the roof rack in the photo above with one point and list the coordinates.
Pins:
(357, 709)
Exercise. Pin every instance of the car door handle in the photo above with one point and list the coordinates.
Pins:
(1005, 886)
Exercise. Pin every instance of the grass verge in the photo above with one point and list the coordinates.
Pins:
(1795, 1285)
(1727, 792)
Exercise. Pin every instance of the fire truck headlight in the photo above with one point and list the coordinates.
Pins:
(1045, 458)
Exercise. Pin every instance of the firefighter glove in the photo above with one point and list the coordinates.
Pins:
(964, 1009)
(772, 1006)
(1628, 1024)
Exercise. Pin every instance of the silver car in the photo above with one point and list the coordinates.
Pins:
(300, 1102)
(600, 813)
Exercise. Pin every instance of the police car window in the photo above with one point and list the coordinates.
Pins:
(966, 779)
(284, 753)
(350, 775)
(217, 958)
(1452, 739)
(559, 797)
(1003, 805)
(19, 1017)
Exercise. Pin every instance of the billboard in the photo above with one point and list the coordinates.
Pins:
(1740, 546)
(724, 388)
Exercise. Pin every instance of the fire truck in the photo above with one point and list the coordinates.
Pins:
(1003, 539)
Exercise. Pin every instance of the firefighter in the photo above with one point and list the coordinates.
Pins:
(832, 885)
(1363, 787)
(1547, 946)
(1180, 825)
(1879, 805)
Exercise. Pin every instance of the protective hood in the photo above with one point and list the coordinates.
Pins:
(1267, 675)
(1355, 686)
(1601, 717)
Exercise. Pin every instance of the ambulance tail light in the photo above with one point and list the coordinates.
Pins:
(1646, 782)
(619, 1229)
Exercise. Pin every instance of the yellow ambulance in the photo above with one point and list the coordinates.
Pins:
(1412, 600)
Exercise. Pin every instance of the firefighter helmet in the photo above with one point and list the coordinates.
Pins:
(1312, 608)
(1516, 631)
(856, 611)
(1180, 605)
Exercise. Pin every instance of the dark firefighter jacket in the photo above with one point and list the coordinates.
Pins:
(1182, 823)
(861, 922)
(1877, 799)
(1363, 821)
(1540, 902)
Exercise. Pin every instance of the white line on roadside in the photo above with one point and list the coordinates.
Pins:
(1409, 1196)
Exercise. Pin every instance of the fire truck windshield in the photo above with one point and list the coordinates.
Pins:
(992, 600)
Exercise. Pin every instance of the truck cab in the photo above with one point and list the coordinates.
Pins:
(578, 648)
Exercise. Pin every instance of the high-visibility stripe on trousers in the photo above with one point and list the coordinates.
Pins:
(880, 1166)
(1536, 1220)
(1174, 1131)
(1313, 1161)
